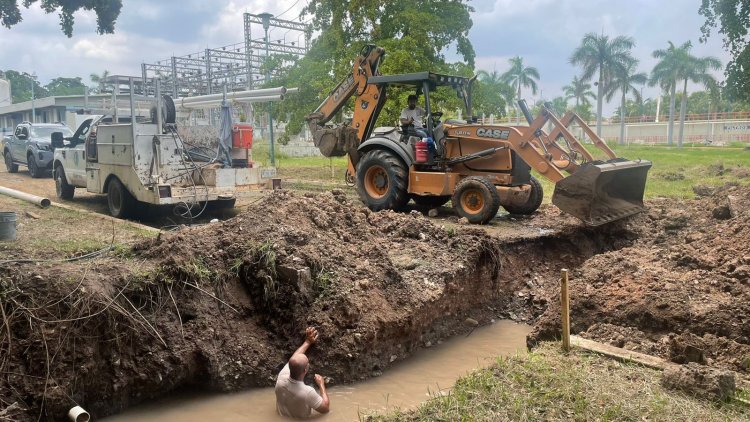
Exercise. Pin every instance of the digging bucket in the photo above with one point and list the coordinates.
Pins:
(7, 226)
(601, 192)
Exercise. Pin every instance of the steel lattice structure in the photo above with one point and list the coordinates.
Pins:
(238, 66)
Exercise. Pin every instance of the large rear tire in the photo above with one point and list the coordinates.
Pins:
(382, 180)
(532, 204)
(9, 164)
(120, 201)
(62, 187)
(476, 199)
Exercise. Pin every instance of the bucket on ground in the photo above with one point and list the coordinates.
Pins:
(7, 226)
(79, 414)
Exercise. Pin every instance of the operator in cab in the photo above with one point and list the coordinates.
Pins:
(293, 397)
(412, 114)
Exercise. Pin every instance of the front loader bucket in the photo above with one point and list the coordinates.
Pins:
(601, 192)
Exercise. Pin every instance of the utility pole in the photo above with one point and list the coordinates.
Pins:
(266, 17)
(33, 109)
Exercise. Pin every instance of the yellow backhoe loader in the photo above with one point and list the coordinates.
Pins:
(478, 167)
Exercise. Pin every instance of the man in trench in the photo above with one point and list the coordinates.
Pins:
(293, 397)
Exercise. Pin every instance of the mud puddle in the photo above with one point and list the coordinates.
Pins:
(404, 385)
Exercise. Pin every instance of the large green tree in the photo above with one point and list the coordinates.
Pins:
(732, 17)
(519, 76)
(599, 53)
(624, 82)
(416, 35)
(20, 86)
(106, 11)
(65, 86)
(491, 94)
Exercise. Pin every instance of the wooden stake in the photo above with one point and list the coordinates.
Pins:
(565, 310)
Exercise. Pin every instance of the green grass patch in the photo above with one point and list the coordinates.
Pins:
(548, 385)
(675, 170)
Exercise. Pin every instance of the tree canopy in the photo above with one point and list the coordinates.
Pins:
(416, 35)
(732, 17)
(106, 11)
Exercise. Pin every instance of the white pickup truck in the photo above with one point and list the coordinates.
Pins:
(135, 162)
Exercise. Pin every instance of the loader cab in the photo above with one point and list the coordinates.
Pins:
(423, 85)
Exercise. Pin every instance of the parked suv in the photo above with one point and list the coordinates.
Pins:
(30, 145)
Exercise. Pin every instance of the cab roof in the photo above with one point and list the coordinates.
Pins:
(417, 79)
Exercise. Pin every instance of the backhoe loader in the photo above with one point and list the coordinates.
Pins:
(478, 167)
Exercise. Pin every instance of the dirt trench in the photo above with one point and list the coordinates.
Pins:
(221, 307)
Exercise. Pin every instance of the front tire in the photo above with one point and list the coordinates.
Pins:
(476, 199)
(34, 169)
(9, 164)
(120, 201)
(63, 188)
(532, 204)
(382, 180)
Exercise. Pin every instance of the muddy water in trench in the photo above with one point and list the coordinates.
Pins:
(403, 385)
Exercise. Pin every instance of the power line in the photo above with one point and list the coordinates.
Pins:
(287, 10)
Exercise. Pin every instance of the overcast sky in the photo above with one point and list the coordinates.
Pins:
(543, 32)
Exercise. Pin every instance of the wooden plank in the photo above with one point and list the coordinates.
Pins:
(620, 353)
(565, 310)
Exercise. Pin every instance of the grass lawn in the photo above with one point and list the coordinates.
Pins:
(551, 386)
(675, 170)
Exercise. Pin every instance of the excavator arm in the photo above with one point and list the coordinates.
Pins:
(344, 139)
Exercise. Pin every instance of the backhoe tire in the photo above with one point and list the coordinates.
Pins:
(9, 164)
(476, 199)
(431, 201)
(34, 170)
(532, 204)
(382, 180)
(120, 201)
(62, 187)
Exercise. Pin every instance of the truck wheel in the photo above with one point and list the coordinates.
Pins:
(382, 181)
(476, 199)
(119, 199)
(34, 169)
(64, 190)
(9, 164)
(430, 201)
(532, 204)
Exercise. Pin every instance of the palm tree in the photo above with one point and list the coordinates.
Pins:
(696, 70)
(100, 80)
(665, 74)
(624, 81)
(520, 76)
(496, 83)
(579, 90)
(597, 53)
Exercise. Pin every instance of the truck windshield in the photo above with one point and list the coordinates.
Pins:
(46, 132)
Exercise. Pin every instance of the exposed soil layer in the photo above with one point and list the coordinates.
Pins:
(221, 307)
(681, 291)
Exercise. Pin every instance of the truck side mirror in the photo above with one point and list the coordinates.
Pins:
(57, 140)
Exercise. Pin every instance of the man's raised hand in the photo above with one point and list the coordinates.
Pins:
(311, 335)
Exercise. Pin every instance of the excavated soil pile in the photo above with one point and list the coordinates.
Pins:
(681, 291)
(222, 306)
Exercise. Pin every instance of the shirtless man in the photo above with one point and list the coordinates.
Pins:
(293, 397)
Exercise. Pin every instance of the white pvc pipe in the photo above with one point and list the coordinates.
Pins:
(78, 414)
(217, 103)
(232, 95)
(37, 200)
